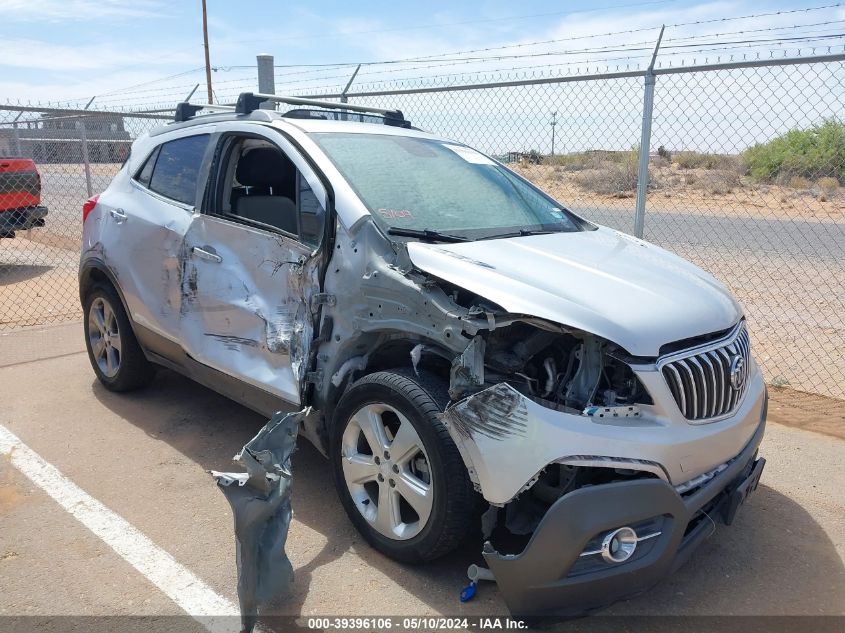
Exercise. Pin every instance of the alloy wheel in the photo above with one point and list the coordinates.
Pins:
(104, 337)
(387, 471)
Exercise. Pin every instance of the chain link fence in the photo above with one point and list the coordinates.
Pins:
(68, 156)
(745, 177)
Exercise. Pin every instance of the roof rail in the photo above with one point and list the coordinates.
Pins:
(185, 110)
(250, 101)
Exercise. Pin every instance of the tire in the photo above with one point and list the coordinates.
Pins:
(394, 400)
(114, 352)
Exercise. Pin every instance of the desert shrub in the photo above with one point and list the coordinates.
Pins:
(828, 185)
(717, 181)
(700, 160)
(664, 153)
(571, 162)
(817, 151)
(798, 182)
(611, 177)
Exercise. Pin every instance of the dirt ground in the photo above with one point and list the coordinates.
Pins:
(146, 456)
(703, 190)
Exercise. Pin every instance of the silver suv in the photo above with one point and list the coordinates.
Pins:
(472, 355)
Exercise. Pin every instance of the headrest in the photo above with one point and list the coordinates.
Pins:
(265, 167)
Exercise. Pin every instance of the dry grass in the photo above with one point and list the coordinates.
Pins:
(604, 184)
(828, 185)
(799, 182)
(699, 160)
(615, 179)
(718, 181)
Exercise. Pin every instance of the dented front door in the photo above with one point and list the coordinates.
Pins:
(246, 296)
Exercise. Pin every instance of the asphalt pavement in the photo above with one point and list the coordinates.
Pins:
(145, 456)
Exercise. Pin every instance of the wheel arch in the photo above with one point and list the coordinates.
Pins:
(93, 271)
(387, 353)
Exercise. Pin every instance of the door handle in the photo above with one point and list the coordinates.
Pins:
(206, 255)
(119, 215)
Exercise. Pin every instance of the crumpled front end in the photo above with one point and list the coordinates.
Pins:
(510, 439)
(593, 503)
(556, 420)
(599, 544)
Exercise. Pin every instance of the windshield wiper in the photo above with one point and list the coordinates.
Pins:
(519, 233)
(426, 234)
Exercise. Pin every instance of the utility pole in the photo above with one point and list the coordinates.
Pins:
(553, 124)
(207, 60)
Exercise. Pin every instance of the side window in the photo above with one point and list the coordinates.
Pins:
(259, 184)
(177, 168)
(145, 173)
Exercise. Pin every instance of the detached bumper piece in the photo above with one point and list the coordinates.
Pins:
(260, 500)
(603, 543)
(21, 220)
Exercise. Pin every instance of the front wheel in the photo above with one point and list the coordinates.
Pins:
(397, 471)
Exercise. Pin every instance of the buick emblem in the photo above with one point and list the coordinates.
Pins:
(737, 372)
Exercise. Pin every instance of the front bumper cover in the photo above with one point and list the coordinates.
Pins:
(544, 578)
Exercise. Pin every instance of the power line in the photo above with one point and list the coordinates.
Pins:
(623, 32)
(444, 60)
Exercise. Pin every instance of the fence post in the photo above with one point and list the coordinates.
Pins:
(343, 97)
(85, 161)
(16, 140)
(266, 78)
(83, 137)
(645, 141)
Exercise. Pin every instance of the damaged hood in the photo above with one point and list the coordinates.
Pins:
(632, 293)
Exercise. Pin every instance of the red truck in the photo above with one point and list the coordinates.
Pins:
(20, 196)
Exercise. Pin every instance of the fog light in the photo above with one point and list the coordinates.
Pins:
(619, 545)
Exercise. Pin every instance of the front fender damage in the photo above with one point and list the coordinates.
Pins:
(520, 387)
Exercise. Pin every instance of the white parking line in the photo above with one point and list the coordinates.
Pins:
(199, 600)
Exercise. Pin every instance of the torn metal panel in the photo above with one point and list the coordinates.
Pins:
(260, 501)
(378, 296)
(356, 363)
(467, 373)
(496, 413)
(506, 438)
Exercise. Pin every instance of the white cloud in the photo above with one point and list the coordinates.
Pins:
(54, 10)
(41, 55)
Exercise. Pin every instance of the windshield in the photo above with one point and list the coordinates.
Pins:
(438, 186)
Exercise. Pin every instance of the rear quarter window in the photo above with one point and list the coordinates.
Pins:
(146, 172)
(177, 168)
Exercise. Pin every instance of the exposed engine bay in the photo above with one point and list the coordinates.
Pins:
(558, 368)
(571, 370)
(555, 366)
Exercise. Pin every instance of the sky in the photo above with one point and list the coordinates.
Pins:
(72, 50)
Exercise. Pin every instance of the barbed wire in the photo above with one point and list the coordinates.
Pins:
(673, 46)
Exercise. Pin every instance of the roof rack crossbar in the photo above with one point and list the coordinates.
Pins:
(249, 101)
(185, 110)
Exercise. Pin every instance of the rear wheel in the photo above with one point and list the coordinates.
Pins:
(397, 471)
(114, 352)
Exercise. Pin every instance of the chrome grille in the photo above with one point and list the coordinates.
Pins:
(701, 379)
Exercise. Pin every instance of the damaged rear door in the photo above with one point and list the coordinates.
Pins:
(252, 261)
